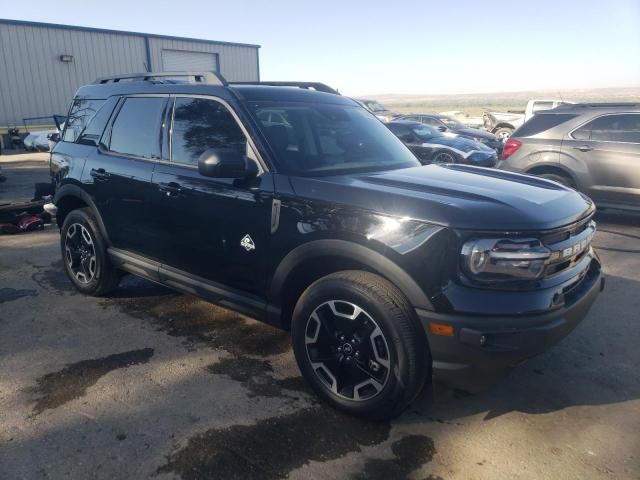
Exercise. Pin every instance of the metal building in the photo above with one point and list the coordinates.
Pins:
(42, 64)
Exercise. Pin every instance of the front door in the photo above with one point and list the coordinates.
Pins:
(215, 228)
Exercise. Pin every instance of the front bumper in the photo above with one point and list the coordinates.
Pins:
(484, 348)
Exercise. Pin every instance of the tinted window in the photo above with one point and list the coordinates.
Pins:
(434, 122)
(82, 111)
(93, 131)
(323, 139)
(200, 124)
(616, 128)
(136, 130)
(541, 122)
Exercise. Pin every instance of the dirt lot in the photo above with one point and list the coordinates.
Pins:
(150, 383)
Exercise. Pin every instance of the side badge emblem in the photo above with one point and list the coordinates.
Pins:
(247, 243)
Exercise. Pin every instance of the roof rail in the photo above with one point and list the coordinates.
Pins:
(320, 87)
(210, 78)
(599, 104)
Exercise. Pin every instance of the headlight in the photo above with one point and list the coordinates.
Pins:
(495, 260)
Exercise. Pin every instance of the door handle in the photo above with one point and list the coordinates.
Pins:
(171, 189)
(584, 148)
(100, 174)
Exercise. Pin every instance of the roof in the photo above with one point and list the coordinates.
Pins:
(254, 93)
(118, 32)
(591, 107)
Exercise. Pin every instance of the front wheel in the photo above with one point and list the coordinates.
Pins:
(503, 133)
(444, 157)
(359, 344)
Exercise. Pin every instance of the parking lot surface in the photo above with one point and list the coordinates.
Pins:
(148, 383)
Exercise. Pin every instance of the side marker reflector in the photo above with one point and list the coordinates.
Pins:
(441, 329)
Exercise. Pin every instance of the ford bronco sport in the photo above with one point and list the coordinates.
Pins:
(296, 206)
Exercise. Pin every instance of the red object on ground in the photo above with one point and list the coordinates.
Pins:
(29, 223)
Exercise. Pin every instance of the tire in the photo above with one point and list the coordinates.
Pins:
(381, 362)
(503, 133)
(84, 254)
(445, 156)
(560, 178)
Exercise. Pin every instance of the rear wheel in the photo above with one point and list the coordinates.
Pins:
(84, 253)
(560, 178)
(359, 344)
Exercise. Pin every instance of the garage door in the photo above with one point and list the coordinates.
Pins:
(185, 61)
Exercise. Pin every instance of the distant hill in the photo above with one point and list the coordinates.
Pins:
(475, 104)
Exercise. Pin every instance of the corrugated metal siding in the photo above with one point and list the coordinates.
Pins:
(237, 63)
(34, 82)
(186, 61)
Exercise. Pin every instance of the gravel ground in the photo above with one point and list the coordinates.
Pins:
(151, 383)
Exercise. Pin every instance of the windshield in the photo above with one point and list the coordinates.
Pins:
(324, 139)
(425, 132)
(451, 122)
(375, 106)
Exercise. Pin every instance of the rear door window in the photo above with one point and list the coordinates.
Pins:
(541, 122)
(200, 124)
(136, 129)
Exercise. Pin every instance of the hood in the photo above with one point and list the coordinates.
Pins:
(457, 196)
(463, 145)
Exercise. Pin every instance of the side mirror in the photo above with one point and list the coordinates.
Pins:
(226, 163)
(53, 137)
(442, 128)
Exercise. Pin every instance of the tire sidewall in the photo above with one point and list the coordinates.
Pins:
(83, 217)
(341, 289)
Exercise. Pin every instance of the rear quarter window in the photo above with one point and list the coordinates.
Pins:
(540, 123)
(81, 113)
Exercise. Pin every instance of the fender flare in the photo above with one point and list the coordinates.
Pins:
(352, 251)
(71, 190)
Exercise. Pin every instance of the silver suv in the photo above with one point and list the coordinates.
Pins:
(594, 148)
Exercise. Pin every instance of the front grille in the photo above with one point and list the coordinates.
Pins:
(569, 245)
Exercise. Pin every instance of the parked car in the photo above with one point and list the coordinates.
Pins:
(431, 145)
(503, 124)
(324, 224)
(38, 141)
(379, 110)
(445, 123)
(594, 148)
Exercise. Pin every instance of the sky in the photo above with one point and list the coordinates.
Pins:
(397, 47)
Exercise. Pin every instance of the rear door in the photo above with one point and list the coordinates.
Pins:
(118, 172)
(609, 148)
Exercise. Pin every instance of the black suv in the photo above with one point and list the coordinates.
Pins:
(299, 208)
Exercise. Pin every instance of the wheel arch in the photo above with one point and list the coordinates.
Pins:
(309, 262)
(503, 125)
(70, 197)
